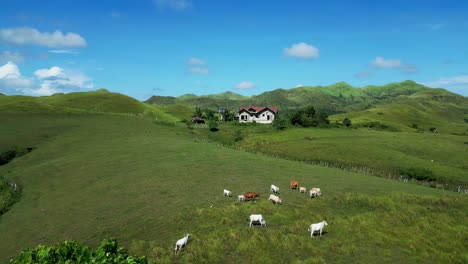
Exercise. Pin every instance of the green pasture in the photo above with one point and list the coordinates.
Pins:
(97, 176)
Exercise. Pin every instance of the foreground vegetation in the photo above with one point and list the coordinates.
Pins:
(73, 252)
(98, 176)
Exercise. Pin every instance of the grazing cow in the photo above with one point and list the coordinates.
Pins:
(302, 189)
(181, 243)
(257, 218)
(317, 227)
(274, 189)
(275, 199)
(318, 191)
(314, 193)
(227, 193)
(294, 185)
(240, 198)
(251, 195)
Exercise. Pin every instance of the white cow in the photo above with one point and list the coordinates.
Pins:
(275, 199)
(274, 189)
(240, 198)
(314, 192)
(257, 218)
(317, 227)
(302, 189)
(181, 243)
(227, 193)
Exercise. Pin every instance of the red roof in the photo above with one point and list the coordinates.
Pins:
(256, 109)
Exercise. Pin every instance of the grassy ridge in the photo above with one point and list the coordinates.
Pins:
(100, 101)
(148, 185)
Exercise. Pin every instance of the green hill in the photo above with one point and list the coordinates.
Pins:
(401, 106)
(420, 111)
(97, 176)
(100, 101)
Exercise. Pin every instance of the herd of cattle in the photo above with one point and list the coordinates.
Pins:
(258, 218)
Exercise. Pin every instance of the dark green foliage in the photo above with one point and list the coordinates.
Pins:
(229, 115)
(466, 120)
(415, 126)
(12, 153)
(280, 122)
(347, 122)
(309, 117)
(420, 174)
(73, 252)
(433, 129)
(198, 112)
(213, 125)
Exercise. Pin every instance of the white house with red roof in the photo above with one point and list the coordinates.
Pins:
(258, 114)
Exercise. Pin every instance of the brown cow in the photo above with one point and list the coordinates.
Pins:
(294, 184)
(251, 195)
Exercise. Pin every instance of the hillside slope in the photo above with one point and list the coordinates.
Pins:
(100, 101)
(148, 185)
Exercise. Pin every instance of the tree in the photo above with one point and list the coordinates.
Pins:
(347, 122)
(280, 123)
(198, 112)
(229, 116)
(213, 125)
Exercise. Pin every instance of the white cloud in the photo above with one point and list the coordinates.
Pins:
(173, 4)
(299, 85)
(382, 63)
(52, 73)
(63, 51)
(363, 75)
(51, 80)
(302, 50)
(199, 70)
(197, 66)
(11, 79)
(56, 79)
(245, 85)
(31, 36)
(447, 81)
(196, 62)
(7, 56)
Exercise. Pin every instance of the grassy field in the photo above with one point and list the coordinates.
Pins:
(98, 176)
(383, 152)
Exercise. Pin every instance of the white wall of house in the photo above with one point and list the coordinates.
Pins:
(265, 117)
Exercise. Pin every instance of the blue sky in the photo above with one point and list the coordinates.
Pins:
(173, 47)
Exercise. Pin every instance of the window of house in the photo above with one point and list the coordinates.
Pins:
(268, 117)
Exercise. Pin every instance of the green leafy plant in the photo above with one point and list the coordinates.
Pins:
(73, 252)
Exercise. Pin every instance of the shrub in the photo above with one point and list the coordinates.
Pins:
(213, 125)
(420, 174)
(280, 123)
(347, 122)
(73, 252)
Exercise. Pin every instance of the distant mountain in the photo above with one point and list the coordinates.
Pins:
(100, 101)
(338, 97)
(404, 106)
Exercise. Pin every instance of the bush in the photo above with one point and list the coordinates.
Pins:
(73, 252)
(213, 125)
(280, 123)
(347, 122)
(420, 174)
